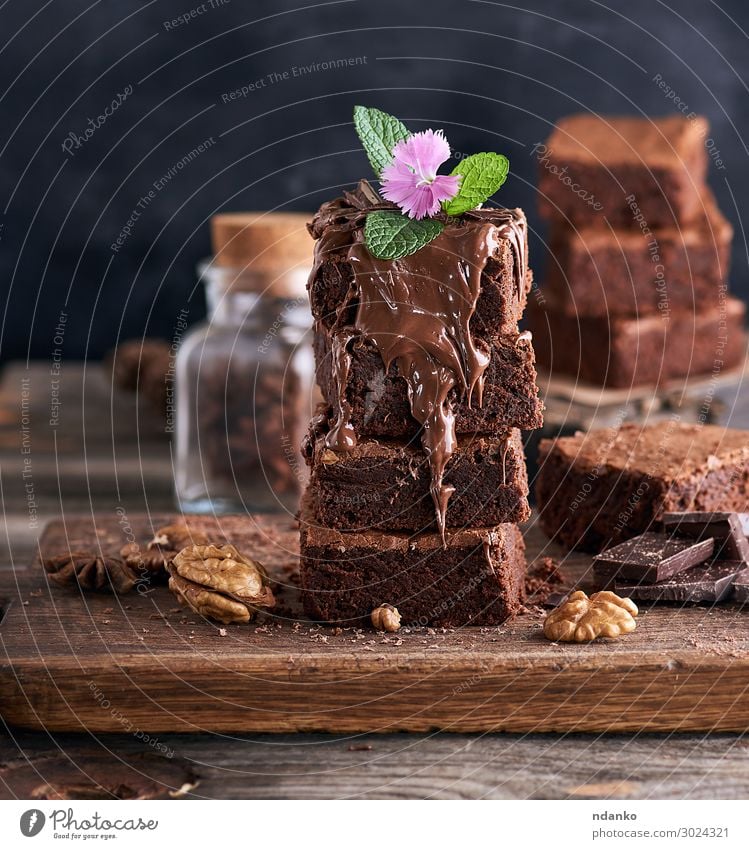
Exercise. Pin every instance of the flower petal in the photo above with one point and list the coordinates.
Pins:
(398, 172)
(445, 186)
(408, 180)
(423, 152)
(417, 201)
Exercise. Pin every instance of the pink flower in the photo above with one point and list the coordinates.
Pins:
(411, 179)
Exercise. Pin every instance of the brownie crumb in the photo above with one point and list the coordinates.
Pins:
(544, 578)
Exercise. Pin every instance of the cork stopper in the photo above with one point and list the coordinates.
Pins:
(271, 251)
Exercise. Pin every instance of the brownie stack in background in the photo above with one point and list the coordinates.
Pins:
(411, 352)
(636, 291)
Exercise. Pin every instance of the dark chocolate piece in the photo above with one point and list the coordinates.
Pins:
(554, 599)
(599, 488)
(416, 311)
(726, 528)
(709, 584)
(651, 557)
(741, 587)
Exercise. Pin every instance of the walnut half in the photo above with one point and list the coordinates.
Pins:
(581, 619)
(386, 618)
(171, 539)
(151, 561)
(218, 582)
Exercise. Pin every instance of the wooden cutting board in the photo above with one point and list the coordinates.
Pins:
(138, 663)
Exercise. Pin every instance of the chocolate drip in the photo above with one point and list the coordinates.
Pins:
(487, 551)
(505, 446)
(512, 227)
(417, 311)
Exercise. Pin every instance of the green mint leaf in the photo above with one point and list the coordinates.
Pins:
(390, 235)
(482, 174)
(379, 133)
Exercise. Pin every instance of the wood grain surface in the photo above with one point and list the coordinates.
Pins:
(103, 663)
(374, 766)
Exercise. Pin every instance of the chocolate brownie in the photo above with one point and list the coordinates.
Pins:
(505, 279)
(477, 578)
(380, 405)
(596, 271)
(608, 485)
(620, 351)
(621, 168)
(385, 484)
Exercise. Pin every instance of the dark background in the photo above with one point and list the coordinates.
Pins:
(494, 76)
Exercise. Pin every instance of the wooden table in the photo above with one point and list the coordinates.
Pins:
(107, 453)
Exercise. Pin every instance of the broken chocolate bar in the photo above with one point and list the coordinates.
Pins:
(554, 599)
(726, 528)
(741, 587)
(651, 557)
(709, 584)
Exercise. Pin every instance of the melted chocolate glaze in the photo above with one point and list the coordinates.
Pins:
(417, 311)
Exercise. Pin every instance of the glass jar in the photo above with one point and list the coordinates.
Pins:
(245, 392)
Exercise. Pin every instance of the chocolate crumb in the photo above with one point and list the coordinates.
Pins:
(544, 578)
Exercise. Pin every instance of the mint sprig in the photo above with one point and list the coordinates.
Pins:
(481, 175)
(379, 133)
(390, 235)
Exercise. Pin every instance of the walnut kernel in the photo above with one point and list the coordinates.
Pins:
(143, 560)
(581, 619)
(386, 618)
(173, 538)
(219, 582)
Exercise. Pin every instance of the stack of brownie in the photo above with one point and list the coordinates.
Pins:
(636, 291)
(418, 477)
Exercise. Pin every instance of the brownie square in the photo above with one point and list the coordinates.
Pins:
(339, 228)
(623, 170)
(597, 271)
(476, 579)
(385, 484)
(608, 485)
(619, 351)
(379, 401)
